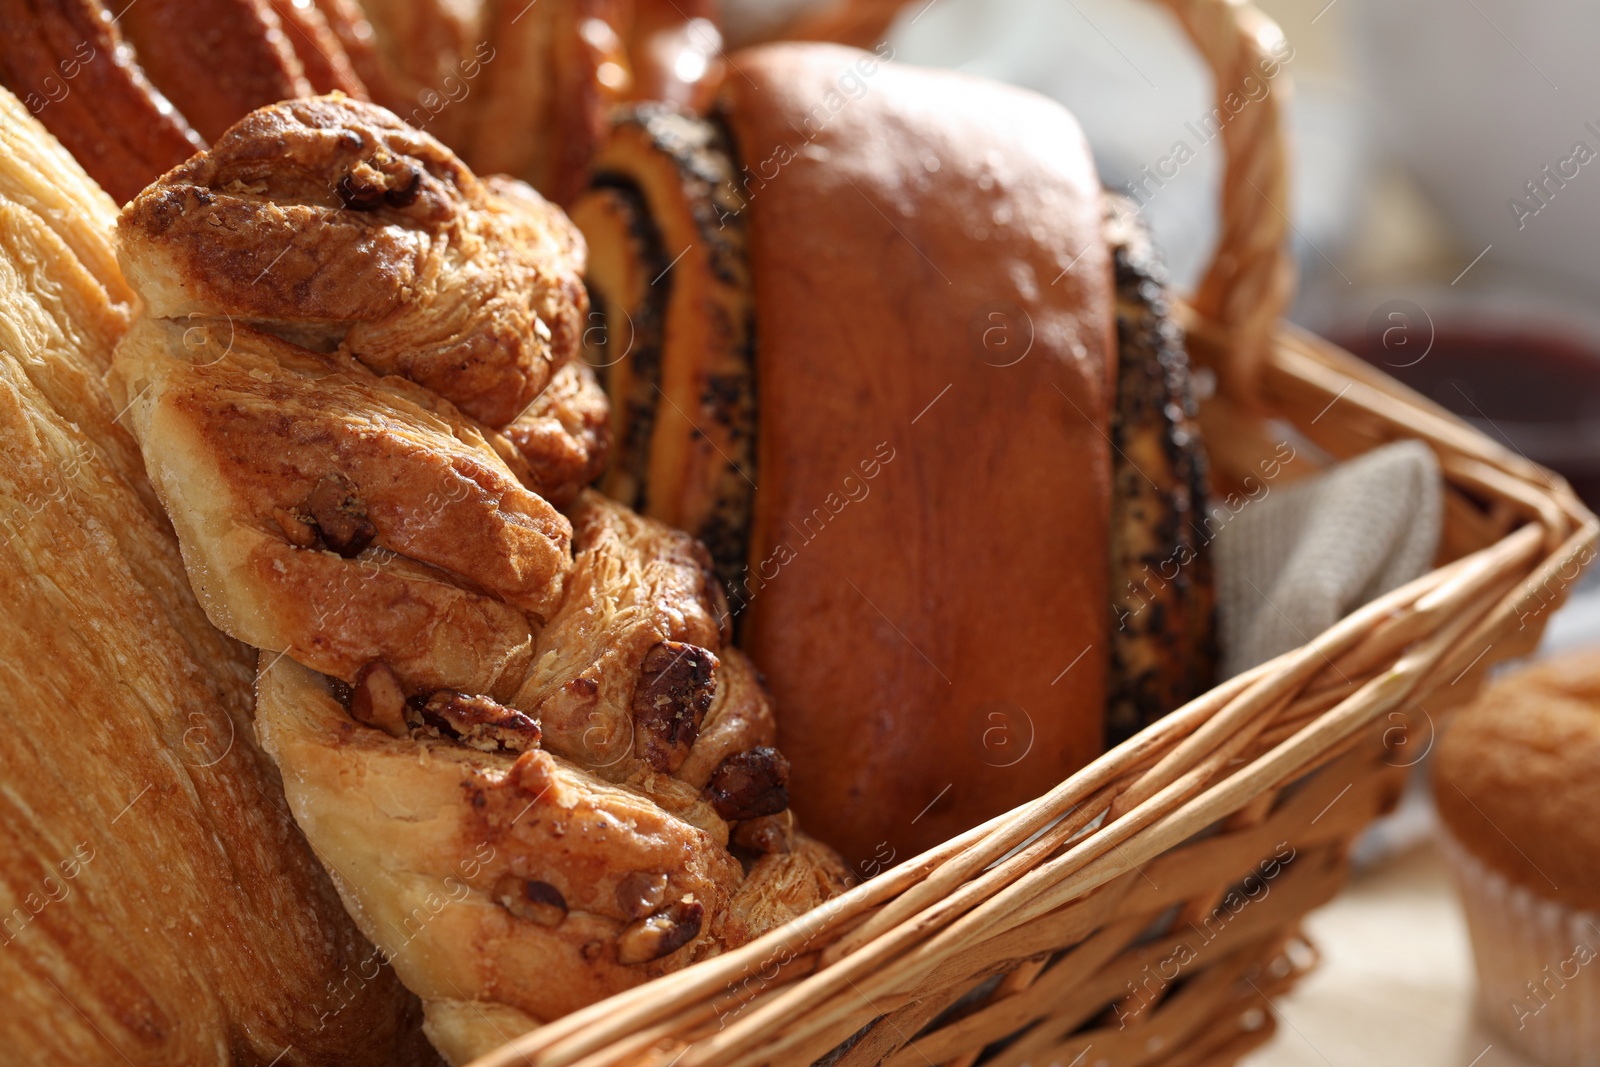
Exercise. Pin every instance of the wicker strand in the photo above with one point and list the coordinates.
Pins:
(1447, 589)
(1251, 276)
(1057, 891)
(1096, 859)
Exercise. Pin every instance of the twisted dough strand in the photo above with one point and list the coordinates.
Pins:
(517, 736)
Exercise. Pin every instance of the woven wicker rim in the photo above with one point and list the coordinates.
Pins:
(977, 901)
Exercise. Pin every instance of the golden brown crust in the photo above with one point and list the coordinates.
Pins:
(633, 585)
(240, 429)
(68, 63)
(158, 900)
(360, 525)
(592, 73)
(1163, 637)
(216, 60)
(523, 886)
(349, 24)
(466, 827)
(433, 54)
(676, 51)
(332, 215)
(565, 435)
(318, 47)
(783, 884)
(929, 679)
(540, 109)
(1517, 779)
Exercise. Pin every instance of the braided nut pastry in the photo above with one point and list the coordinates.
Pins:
(518, 737)
(159, 905)
(334, 222)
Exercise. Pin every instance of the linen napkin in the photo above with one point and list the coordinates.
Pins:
(1299, 559)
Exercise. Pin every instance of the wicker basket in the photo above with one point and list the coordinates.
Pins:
(1147, 909)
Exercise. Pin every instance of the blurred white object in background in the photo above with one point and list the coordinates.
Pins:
(1145, 101)
(1477, 99)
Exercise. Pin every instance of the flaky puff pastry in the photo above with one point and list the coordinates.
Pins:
(157, 904)
(334, 219)
(517, 737)
(509, 888)
(244, 433)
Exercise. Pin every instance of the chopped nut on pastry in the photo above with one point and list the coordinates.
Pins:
(301, 458)
(521, 884)
(493, 876)
(518, 738)
(332, 222)
(605, 689)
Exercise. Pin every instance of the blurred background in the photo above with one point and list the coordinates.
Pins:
(1446, 215)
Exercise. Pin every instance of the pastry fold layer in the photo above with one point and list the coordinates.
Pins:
(516, 736)
(240, 430)
(157, 903)
(333, 222)
(509, 890)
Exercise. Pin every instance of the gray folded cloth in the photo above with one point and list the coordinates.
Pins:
(1294, 562)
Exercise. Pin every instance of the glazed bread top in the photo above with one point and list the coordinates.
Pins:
(928, 580)
(1518, 779)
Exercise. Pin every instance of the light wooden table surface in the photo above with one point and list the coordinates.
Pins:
(1395, 987)
(1396, 984)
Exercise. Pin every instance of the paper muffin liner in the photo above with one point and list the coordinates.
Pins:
(1538, 964)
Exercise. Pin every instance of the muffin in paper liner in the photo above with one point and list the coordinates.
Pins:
(1538, 964)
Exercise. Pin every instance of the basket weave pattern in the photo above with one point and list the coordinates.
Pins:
(1146, 909)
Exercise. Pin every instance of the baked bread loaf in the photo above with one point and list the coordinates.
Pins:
(858, 334)
(158, 905)
(67, 61)
(517, 736)
(1163, 602)
(516, 88)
